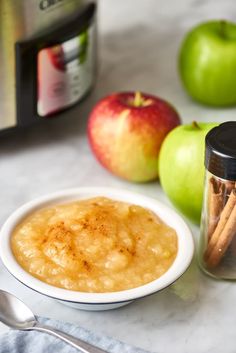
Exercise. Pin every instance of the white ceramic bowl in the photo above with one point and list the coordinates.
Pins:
(99, 301)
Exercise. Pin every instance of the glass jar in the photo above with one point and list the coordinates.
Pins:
(217, 245)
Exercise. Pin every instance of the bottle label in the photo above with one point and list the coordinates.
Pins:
(65, 72)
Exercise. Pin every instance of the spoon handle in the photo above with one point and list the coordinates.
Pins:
(84, 347)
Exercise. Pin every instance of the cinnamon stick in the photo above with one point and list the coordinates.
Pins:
(224, 240)
(225, 215)
(233, 242)
(229, 186)
(215, 205)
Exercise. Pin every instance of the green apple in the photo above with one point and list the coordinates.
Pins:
(207, 63)
(181, 167)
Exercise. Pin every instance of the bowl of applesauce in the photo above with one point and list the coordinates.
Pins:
(96, 248)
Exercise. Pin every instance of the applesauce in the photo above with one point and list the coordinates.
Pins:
(94, 245)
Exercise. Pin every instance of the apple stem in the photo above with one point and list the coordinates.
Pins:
(140, 101)
(196, 125)
(223, 28)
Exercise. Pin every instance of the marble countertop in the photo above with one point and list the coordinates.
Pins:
(139, 41)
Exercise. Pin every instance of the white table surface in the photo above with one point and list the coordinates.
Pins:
(139, 41)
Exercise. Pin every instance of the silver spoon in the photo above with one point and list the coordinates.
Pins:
(15, 314)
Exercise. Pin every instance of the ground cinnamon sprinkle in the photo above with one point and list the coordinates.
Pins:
(86, 265)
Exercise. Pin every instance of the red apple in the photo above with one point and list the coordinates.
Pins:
(57, 57)
(126, 131)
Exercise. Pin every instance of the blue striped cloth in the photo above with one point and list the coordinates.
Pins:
(36, 342)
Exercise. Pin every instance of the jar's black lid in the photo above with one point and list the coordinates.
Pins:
(220, 157)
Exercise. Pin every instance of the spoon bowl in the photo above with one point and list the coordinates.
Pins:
(14, 313)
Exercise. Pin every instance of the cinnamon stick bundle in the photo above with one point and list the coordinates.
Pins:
(222, 220)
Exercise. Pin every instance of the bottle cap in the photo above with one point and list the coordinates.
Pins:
(220, 156)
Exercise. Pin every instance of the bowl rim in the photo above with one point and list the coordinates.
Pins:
(168, 215)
